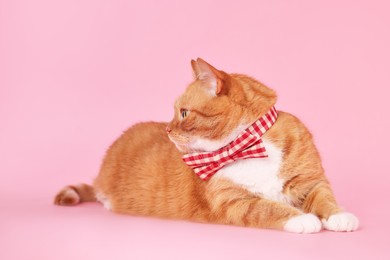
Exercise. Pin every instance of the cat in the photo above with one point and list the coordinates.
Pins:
(143, 172)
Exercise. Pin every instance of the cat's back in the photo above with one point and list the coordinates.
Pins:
(142, 145)
(143, 135)
(288, 130)
(143, 173)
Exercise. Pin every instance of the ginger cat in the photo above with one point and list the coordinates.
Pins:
(143, 172)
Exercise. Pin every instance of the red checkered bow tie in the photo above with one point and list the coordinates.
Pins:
(247, 145)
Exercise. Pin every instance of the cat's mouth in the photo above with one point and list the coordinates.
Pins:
(180, 142)
(184, 144)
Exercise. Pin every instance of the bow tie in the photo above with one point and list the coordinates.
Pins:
(246, 145)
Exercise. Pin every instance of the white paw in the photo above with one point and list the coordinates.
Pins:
(307, 223)
(104, 200)
(342, 221)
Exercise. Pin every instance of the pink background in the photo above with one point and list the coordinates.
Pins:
(74, 74)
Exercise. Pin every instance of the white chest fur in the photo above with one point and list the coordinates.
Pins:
(258, 175)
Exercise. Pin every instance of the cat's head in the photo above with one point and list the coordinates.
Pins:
(215, 108)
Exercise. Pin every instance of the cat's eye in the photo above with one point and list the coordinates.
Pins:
(184, 113)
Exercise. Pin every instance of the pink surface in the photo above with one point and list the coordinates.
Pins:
(74, 74)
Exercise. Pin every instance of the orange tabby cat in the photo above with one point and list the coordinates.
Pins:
(143, 172)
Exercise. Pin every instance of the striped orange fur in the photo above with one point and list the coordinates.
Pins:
(143, 173)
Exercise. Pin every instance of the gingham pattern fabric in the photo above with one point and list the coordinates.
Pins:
(247, 145)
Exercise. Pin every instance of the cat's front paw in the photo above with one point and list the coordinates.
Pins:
(306, 223)
(342, 221)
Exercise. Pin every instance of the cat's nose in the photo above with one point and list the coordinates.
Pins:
(168, 129)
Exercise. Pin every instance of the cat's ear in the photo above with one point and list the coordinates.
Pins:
(195, 69)
(207, 73)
